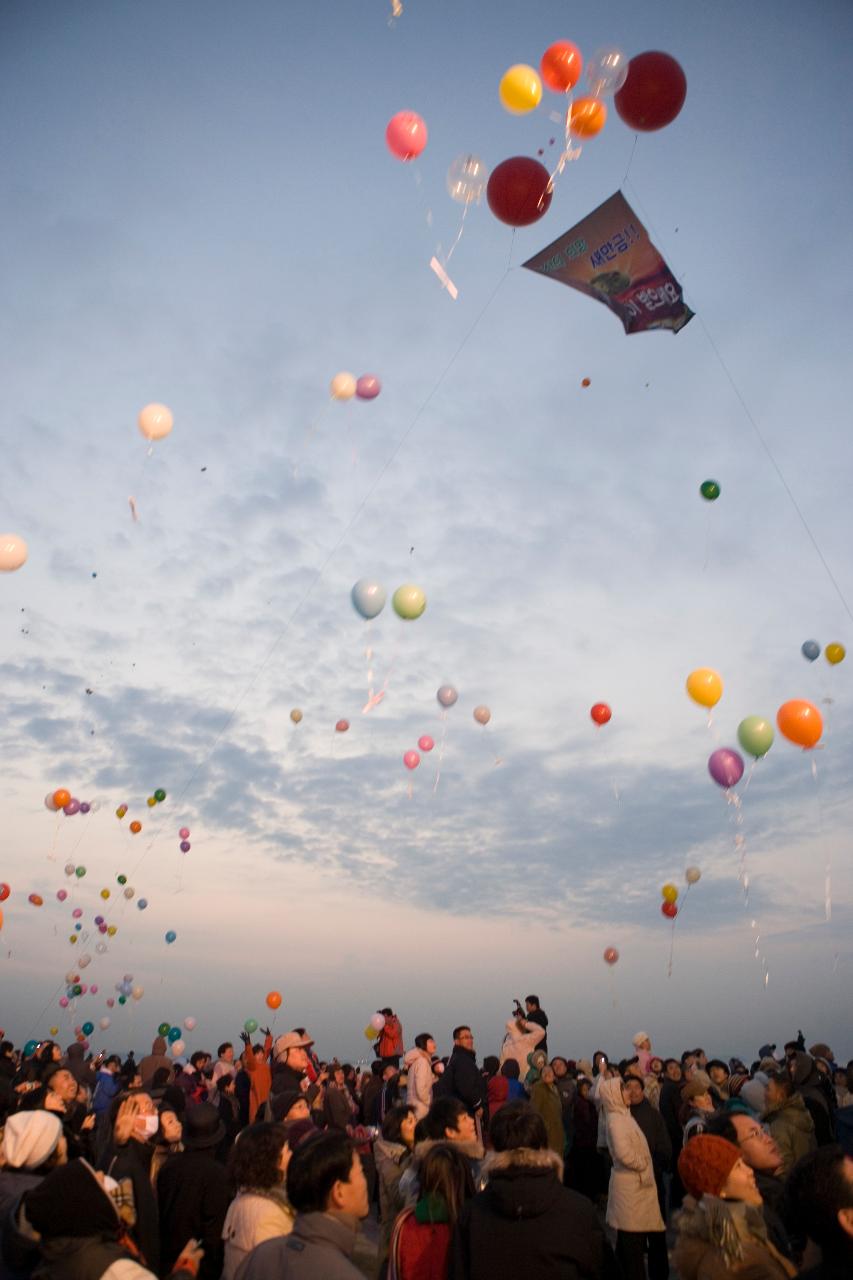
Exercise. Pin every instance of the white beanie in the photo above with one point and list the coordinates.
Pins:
(29, 1138)
(639, 1038)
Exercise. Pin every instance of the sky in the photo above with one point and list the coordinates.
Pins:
(199, 209)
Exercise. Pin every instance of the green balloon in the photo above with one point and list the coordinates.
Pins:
(80, 872)
(755, 735)
(159, 795)
(163, 1029)
(122, 879)
(88, 1028)
(122, 999)
(409, 602)
(78, 990)
(709, 490)
(250, 1025)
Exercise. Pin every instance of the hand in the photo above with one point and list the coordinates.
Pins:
(265, 1031)
(189, 1257)
(88, 1124)
(124, 1121)
(246, 1038)
(53, 1102)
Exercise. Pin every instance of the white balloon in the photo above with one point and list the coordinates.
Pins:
(85, 961)
(138, 993)
(48, 802)
(13, 552)
(178, 1047)
(190, 1023)
(155, 421)
(606, 72)
(467, 179)
(693, 875)
(104, 1023)
(377, 1021)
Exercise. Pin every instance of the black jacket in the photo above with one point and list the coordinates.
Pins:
(670, 1105)
(526, 1223)
(656, 1135)
(540, 1017)
(133, 1160)
(462, 1079)
(193, 1198)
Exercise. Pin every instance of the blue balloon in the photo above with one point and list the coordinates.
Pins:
(142, 904)
(810, 650)
(171, 935)
(368, 598)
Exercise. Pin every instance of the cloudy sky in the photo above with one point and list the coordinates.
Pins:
(199, 209)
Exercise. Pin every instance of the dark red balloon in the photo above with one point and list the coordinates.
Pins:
(600, 713)
(669, 909)
(654, 92)
(519, 191)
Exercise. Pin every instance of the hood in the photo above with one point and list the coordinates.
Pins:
(74, 1052)
(804, 1069)
(796, 1113)
(413, 1055)
(471, 1150)
(610, 1096)
(393, 1151)
(158, 1048)
(71, 1202)
(523, 1183)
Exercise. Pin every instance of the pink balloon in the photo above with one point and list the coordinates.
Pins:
(411, 759)
(184, 833)
(426, 743)
(368, 387)
(63, 1002)
(406, 135)
(110, 1003)
(77, 913)
(72, 807)
(94, 989)
(83, 988)
(62, 894)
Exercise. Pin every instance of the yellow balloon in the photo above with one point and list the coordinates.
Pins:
(342, 386)
(370, 1032)
(520, 89)
(296, 715)
(705, 687)
(835, 653)
(54, 1031)
(669, 893)
(112, 930)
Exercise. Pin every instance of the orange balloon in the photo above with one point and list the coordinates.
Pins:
(588, 117)
(800, 722)
(561, 66)
(136, 827)
(274, 1000)
(61, 798)
(585, 382)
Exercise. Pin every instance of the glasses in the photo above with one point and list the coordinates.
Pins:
(757, 1132)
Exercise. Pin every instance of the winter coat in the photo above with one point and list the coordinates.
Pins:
(519, 1043)
(655, 1133)
(632, 1200)
(807, 1082)
(192, 1195)
(338, 1107)
(420, 1081)
(19, 1251)
(585, 1123)
(725, 1240)
(420, 1246)
(252, 1218)
(410, 1190)
(108, 1085)
(391, 1160)
(133, 1161)
(390, 1042)
(526, 1223)
(670, 1105)
(792, 1129)
(260, 1078)
(540, 1016)
(154, 1060)
(462, 1079)
(547, 1103)
(319, 1248)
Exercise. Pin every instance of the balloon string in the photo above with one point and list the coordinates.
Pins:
(569, 151)
(132, 500)
(374, 699)
(749, 775)
(733, 799)
(827, 871)
(440, 751)
(671, 950)
(446, 260)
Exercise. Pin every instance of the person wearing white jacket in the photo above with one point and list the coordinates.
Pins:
(632, 1200)
(521, 1038)
(418, 1063)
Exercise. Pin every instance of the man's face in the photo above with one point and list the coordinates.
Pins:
(430, 1046)
(688, 1066)
(297, 1058)
(338, 1077)
(465, 1131)
(673, 1071)
(351, 1196)
(529, 1006)
(757, 1147)
(64, 1085)
(559, 1068)
(465, 1038)
(634, 1070)
(634, 1092)
(718, 1075)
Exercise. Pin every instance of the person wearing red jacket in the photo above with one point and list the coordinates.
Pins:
(390, 1041)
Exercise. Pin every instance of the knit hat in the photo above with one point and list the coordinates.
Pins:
(754, 1094)
(639, 1038)
(701, 1077)
(821, 1050)
(30, 1138)
(766, 1051)
(705, 1164)
(695, 1089)
(281, 1103)
(299, 1131)
(736, 1083)
(71, 1202)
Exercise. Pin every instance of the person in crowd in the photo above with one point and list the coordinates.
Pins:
(842, 1078)
(819, 1196)
(107, 1086)
(525, 1222)
(642, 1043)
(462, 1078)
(260, 1211)
(632, 1201)
(192, 1079)
(339, 1106)
(255, 1062)
(389, 1043)
(49, 1051)
(59, 1093)
(81, 1070)
(788, 1121)
(155, 1059)
(81, 1231)
(32, 1145)
(223, 1096)
(449, 1120)
(370, 1094)
(421, 1237)
(546, 1102)
(535, 1013)
(389, 1094)
(721, 1231)
(290, 1064)
(128, 1155)
(192, 1193)
(168, 1140)
(808, 1084)
(392, 1152)
(655, 1133)
(327, 1188)
(719, 1073)
(418, 1064)
(696, 1106)
(522, 1038)
(566, 1084)
(585, 1173)
(225, 1065)
(757, 1148)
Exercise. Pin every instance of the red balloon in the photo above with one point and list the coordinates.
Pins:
(561, 66)
(342, 726)
(4, 892)
(669, 909)
(600, 713)
(519, 191)
(654, 92)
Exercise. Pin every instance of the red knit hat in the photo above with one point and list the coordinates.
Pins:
(705, 1164)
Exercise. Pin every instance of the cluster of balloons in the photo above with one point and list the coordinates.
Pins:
(406, 135)
(157, 798)
(374, 1026)
(63, 799)
(184, 834)
(13, 552)
(668, 907)
(155, 422)
(834, 653)
(345, 385)
(368, 599)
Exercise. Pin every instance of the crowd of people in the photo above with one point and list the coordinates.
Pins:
(271, 1163)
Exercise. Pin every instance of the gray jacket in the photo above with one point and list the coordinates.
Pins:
(319, 1248)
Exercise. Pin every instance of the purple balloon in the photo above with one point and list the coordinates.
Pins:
(85, 807)
(185, 846)
(99, 919)
(725, 767)
(368, 387)
(72, 807)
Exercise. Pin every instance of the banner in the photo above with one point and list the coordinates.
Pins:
(609, 256)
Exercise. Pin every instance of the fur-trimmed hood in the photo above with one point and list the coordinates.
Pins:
(523, 1183)
(526, 1158)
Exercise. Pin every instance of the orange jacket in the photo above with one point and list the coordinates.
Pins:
(260, 1077)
